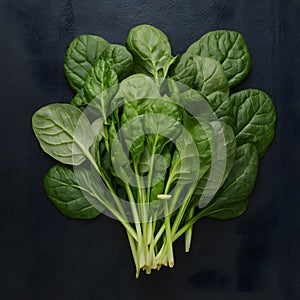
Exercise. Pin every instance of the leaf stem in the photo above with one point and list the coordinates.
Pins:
(169, 246)
(192, 221)
(189, 232)
(182, 210)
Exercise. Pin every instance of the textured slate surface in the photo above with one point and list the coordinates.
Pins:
(46, 256)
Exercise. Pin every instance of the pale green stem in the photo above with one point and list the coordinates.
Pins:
(181, 212)
(189, 232)
(170, 256)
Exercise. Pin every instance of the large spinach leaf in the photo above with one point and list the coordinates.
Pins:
(231, 200)
(63, 132)
(229, 48)
(62, 188)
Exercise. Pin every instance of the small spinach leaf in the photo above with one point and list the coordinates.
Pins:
(185, 162)
(222, 106)
(81, 56)
(120, 59)
(210, 76)
(255, 117)
(185, 70)
(163, 122)
(151, 49)
(200, 131)
(133, 134)
(217, 172)
(136, 87)
(97, 88)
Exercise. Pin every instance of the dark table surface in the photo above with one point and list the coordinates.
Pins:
(47, 256)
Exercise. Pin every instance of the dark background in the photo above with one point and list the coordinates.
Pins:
(47, 256)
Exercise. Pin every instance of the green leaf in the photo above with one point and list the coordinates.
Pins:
(62, 188)
(98, 88)
(63, 132)
(81, 56)
(150, 49)
(229, 48)
(201, 132)
(118, 160)
(231, 200)
(186, 159)
(195, 103)
(230, 148)
(120, 59)
(162, 122)
(210, 181)
(185, 70)
(133, 133)
(222, 106)
(204, 74)
(210, 76)
(138, 89)
(144, 162)
(138, 86)
(255, 118)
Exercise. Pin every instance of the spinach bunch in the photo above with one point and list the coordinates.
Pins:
(154, 140)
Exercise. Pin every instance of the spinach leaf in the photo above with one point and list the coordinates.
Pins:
(185, 70)
(201, 132)
(81, 56)
(222, 106)
(255, 117)
(210, 76)
(136, 87)
(63, 132)
(184, 164)
(150, 49)
(120, 60)
(195, 103)
(204, 74)
(119, 160)
(97, 88)
(161, 129)
(66, 194)
(133, 133)
(231, 200)
(139, 90)
(229, 48)
(231, 148)
(217, 172)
